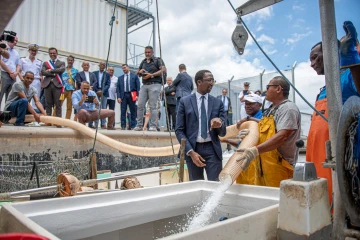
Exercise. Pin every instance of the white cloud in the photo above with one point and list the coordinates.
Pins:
(265, 38)
(259, 28)
(289, 17)
(295, 37)
(298, 7)
(308, 83)
(200, 37)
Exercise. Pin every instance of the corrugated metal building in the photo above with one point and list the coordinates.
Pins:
(80, 28)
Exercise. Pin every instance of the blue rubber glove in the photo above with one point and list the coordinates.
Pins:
(348, 53)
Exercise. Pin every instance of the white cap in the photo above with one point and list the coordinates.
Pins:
(252, 97)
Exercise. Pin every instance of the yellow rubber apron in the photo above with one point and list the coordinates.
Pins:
(270, 167)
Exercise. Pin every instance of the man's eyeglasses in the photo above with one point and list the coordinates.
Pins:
(270, 85)
(209, 80)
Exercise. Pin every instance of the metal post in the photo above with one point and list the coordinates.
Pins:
(333, 92)
(182, 160)
(261, 80)
(154, 29)
(127, 31)
(293, 79)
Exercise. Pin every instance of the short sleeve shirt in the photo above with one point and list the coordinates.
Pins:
(12, 61)
(20, 87)
(33, 66)
(288, 117)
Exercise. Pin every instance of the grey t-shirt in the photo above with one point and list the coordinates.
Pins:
(288, 117)
(20, 87)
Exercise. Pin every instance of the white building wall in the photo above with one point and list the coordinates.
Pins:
(78, 27)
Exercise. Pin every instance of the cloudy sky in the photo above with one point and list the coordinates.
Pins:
(198, 33)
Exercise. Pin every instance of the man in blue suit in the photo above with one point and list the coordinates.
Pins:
(184, 84)
(101, 76)
(201, 120)
(127, 84)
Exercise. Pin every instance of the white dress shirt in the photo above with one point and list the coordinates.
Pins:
(112, 89)
(87, 76)
(126, 82)
(199, 139)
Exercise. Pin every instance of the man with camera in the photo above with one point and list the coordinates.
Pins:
(10, 66)
(85, 102)
(152, 70)
(19, 99)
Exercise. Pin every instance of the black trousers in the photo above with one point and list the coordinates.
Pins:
(171, 111)
(52, 98)
(213, 163)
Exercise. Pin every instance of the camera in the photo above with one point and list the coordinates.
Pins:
(141, 74)
(90, 99)
(8, 36)
(5, 116)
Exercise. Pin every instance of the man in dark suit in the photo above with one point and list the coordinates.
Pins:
(201, 120)
(127, 85)
(85, 75)
(184, 84)
(227, 104)
(52, 83)
(170, 104)
(101, 92)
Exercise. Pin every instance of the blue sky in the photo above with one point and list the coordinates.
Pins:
(295, 27)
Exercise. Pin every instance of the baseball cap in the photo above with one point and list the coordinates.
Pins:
(252, 97)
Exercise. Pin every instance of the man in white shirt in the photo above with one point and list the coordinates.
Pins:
(242, 94)
(9, 69)
(33, 65)
(112, 90)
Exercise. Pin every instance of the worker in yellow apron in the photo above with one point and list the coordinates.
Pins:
(270, 167)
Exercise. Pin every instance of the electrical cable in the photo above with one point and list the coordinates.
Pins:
(163, 86)
(302, 97)
(111, 23)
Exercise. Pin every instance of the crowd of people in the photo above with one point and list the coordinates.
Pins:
(198, 117)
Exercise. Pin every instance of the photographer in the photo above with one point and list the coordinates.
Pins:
(151, 70)
(3, 50)
(10, 66)
(85, 102)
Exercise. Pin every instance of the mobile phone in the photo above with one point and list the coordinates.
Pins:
(90, 99)
(245, 92)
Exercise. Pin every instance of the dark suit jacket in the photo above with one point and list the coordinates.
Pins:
(187, 122)
(184, 85)
(220, 97)
(134, 85)
(48, 76)
(96, 87)
(170, 99)
(80, 77)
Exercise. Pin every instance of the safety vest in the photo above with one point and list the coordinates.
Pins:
(315, 147)
(270, 167)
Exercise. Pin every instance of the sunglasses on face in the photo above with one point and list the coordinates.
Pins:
(271, 85)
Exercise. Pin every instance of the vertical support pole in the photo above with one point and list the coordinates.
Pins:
(293, 79)
(333, 90)
(154, 38)
(127, 31)
(261, 80)
(182, 160)
(93, 168)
